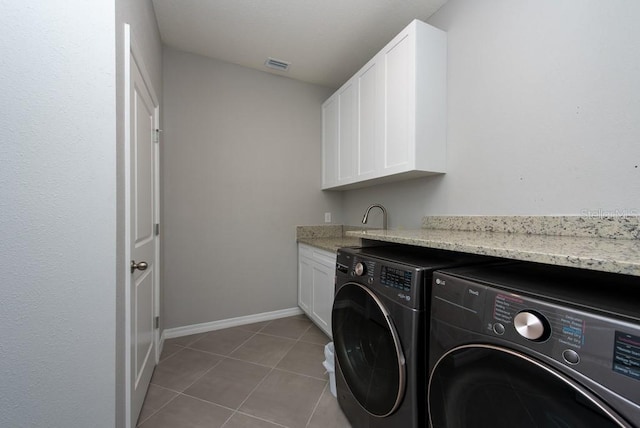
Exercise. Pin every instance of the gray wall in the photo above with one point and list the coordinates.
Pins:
(140, 16)
(241, 170)
(57, 214)
(543, 107)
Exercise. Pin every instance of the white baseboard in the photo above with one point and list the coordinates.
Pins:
(170, 333)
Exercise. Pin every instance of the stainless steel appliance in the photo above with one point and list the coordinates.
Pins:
(526, 345)
(379, 323)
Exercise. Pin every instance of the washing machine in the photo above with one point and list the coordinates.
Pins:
(379, 324)
(527, 345)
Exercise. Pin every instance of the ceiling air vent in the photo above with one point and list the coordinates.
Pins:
(277, 64)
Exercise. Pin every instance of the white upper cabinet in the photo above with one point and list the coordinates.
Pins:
(369, 110)
(390, 122)
(347, 132)
(330, 142)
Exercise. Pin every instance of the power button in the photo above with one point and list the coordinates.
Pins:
(571, 356)
(359, 269)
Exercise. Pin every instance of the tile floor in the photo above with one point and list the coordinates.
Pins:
(262, 375)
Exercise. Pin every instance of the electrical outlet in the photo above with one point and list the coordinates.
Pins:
(327, 217)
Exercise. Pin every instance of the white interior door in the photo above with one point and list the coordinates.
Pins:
(143, 242)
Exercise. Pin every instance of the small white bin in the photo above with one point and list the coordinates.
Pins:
(330, 366)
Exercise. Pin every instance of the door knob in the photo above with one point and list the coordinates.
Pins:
(139, 266)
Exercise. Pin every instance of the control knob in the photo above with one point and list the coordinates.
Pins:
(531, 326)
(359, 269)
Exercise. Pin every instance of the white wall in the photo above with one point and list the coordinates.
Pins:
(241, 170)
(57, 214)
(140, 16)
(543, 108)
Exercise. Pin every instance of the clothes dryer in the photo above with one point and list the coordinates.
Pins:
(527, 345)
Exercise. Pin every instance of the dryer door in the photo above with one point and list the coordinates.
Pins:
(368, 349)
(490, 386)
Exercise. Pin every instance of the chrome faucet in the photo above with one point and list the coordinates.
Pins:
(384, 215)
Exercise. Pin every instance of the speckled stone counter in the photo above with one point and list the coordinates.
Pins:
(620, 227)
(329, 238)
(589, 250)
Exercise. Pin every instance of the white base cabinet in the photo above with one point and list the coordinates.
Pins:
(388, 122)
(316, 282)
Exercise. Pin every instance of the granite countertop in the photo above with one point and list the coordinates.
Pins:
(586, 252)
(603, 243)
(331, 244)
(326, 237)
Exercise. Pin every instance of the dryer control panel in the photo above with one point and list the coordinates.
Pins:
(603, 348)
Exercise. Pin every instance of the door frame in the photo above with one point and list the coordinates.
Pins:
(133, 52)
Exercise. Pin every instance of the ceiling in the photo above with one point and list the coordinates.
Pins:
(326, 41)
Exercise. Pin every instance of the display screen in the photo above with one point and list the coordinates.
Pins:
(626, 355)
(396, 278)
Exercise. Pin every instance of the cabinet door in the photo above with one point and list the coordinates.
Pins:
(305, 283)
(323, 296)
(399, 96)
(369, 120)
(316, 284)
(330, 142)
(347, 132)
(323, 288)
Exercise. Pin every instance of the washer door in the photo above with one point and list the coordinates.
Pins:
(485, 385)
(368, 349)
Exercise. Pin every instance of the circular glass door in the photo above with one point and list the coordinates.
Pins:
(483, 385)
(368, 349)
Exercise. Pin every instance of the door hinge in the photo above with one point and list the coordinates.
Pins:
(157, 229)
(157, 322)
(156, 135)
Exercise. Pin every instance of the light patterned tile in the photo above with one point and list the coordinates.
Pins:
(305, 358)
(229, 383)
(182, 369)
(184, 340)
(285, 398)
(263, 349)
(240, 420)
(156, 398)
(188, 412)
(290, 327)
(169, 350)
(315, 335)
(222, 342)
(328, 413)
(255, 327)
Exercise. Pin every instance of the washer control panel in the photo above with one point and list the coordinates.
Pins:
(393, 280)
(396, 278)
(396, 281)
